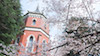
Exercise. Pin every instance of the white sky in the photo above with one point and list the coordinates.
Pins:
(31, 5)
(26, 5)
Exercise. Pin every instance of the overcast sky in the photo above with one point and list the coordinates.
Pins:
(31, 5)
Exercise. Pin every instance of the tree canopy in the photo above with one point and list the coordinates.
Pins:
(10, 20)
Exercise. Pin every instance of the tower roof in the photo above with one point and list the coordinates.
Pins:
(35, 13)
(37, 10)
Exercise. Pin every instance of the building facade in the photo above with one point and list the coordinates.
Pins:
(35, 33)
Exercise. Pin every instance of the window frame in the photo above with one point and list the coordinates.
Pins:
(28, 38)
(16, 41)
(34, 23)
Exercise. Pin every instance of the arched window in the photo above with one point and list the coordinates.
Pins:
(34, 22)
(44, 43)
(44, 48)
(18, 39)
(30, 44)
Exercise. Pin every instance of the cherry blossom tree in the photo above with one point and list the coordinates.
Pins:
(80, 25)
(21, 50)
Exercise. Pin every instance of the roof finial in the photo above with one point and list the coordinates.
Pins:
(37, 9)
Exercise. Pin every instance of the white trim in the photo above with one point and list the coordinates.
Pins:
(36, 29)
(28, 41)
(36, 15)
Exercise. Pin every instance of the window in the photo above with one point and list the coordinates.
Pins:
(18, 39)
(44, 44)
(44, 41)
(30, 44)
(34, 22)
(43, 47)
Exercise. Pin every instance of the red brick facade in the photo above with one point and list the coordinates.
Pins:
(36, 30)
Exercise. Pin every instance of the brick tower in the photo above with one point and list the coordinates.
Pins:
(36, 30)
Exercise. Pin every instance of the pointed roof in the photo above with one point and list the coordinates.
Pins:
(37, 10)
